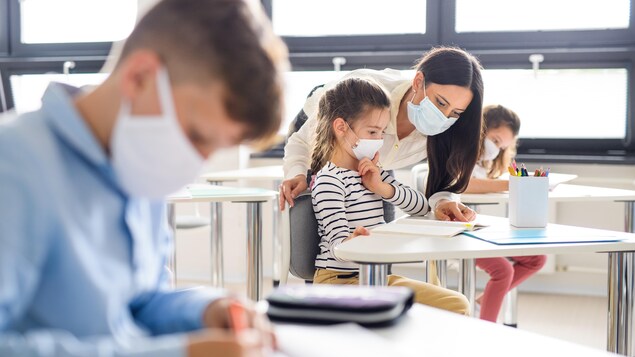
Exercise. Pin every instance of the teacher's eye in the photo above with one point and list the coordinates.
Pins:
(441, 103)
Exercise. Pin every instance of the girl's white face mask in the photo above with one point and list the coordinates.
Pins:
(490, 150)
(426, 117)
(151, 155)
(365, 148)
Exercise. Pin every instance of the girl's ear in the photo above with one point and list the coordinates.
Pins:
(340, 127)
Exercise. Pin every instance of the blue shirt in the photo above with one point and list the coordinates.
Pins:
(82, 265)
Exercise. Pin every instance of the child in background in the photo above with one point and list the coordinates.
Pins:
(499, 147)
(349, 186)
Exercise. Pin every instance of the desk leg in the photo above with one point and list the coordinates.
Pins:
(172, 224)
(510, 308)
(254, 250)
(467, 280)
(216, 243)
(442, 272)
(620, 309)
(373, 274)
(277, 246)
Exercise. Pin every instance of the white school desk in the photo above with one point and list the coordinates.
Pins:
(253, 197)
(273, 174)
(262, 173)
(561, 193)
(424, 331)
(568, 193)
(375, 252)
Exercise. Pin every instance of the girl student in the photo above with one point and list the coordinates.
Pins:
(434, 115)
(501, 127)
(349, 187)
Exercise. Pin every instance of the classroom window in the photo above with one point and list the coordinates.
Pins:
(4, 30)
(307, 18)
(298, 85)
(76, 21)
(541, 15)
(563, 103)
(27, 89)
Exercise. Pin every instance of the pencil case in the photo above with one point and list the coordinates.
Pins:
(329, 304)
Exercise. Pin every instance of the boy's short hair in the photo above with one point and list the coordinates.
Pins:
(225, 40)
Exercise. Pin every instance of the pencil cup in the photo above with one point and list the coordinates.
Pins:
(528, 201)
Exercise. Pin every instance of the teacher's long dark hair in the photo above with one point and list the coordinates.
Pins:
(453, 153)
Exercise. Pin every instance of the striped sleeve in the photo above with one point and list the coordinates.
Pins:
(407, 199)
(328, 197)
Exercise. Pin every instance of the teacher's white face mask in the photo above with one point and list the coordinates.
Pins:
(427, 118)
(151, 155)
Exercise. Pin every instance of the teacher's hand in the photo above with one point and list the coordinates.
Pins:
(453, 211)
(290, 189)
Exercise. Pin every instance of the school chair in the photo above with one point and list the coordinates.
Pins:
(300, 239)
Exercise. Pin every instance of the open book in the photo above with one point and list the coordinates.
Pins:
(427, 227)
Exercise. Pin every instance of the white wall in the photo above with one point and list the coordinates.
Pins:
(575, 273)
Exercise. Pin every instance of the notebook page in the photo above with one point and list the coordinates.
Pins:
(420, 230)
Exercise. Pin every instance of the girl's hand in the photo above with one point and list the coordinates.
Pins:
(359, 231)
(371, 177)
(453, 211)
(290, 189)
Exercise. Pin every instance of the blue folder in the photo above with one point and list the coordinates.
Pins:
(552, 234)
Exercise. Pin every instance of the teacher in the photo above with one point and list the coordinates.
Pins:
(435, 115)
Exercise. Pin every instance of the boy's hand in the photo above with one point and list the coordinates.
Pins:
(453, 211)
(359, 231)
(222, 343)
(371, 177)
(218, 316)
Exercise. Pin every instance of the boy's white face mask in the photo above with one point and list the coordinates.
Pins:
(151, 155)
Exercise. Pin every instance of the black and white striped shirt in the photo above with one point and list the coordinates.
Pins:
(341, 203)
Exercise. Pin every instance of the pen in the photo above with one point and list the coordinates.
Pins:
(237, 317)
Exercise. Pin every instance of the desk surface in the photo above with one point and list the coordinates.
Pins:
(399, 248)
(562, 193)
(426, 331)
(211, 193)
(253, 173)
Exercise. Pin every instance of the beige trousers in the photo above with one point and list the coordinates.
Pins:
(427, 294)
